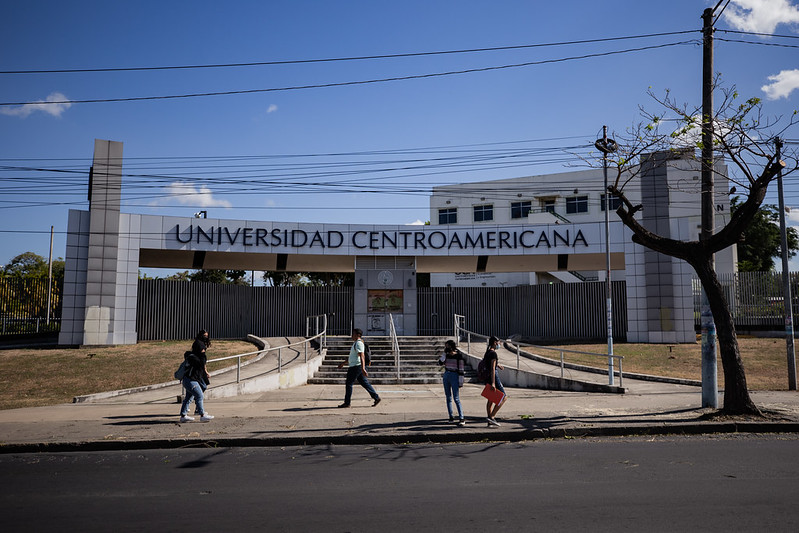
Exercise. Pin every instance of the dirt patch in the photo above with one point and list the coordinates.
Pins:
(765, 360)
(36, 377)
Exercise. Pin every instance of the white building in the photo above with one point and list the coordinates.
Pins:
(668, 188)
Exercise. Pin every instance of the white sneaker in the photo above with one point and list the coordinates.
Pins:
(206, 418)
(492, 422)
(461, 423)
(187, 418)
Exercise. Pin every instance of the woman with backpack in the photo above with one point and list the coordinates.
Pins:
(196, 379)
(454, 366)
(491, 362)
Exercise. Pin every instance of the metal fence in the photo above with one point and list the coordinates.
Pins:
(551, 312)
(24, 306)
(755, 299)
(177, 310)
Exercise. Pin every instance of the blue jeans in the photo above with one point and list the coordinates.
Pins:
(498, 384)
(354, 373)
(451, 390)
(194, 391)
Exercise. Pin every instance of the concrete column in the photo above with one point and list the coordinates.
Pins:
(105, 186)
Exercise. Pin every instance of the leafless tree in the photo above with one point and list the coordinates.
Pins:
(746, 140)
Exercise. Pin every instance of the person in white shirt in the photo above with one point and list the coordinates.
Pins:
(356, 370)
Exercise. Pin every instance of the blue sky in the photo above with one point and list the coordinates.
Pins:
(339, 151)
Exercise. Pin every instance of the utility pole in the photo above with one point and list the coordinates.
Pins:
(709, 365)
(607, 146)
(787, 299)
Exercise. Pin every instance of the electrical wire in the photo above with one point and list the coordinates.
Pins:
(757, 43)
(770, 35)
(349, 83)
(343, 59)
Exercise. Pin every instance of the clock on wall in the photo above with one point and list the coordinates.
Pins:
(384, 277)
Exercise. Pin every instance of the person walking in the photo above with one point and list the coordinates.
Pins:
(356, 370)
(454, 371)
(492, 363)
(196, 379)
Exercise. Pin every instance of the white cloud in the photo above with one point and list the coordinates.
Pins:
(187, 194)
(271, 109)
(417, 223)
(45, 106)
(792, 216)
(782, 84)
(691, 137)
(761, 16)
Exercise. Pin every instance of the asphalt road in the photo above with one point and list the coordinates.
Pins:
(720, 483)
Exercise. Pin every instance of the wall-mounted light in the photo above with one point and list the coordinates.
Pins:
(519, 195)
(576, 191)
(448, 202)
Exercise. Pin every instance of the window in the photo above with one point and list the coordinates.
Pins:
(576, 204)
(548, 205)
(483, 213)
(520, 209)
(448, 215)
(615, 202)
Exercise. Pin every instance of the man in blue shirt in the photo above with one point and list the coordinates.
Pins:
(356, 370)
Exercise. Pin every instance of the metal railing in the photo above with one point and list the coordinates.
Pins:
(20, 326)
(755, 298)
(394, 343)
(461, 332)
(321, 335)
(317, 329)
(618, 358)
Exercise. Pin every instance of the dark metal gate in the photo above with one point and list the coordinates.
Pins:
(563, 311)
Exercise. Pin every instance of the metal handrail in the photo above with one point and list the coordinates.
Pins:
(394, 343)
(322, 335)
(561, 351)
(459, 330)
(323, 342)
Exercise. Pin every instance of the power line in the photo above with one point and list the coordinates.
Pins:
(758, 43)
(772, 35)
(342, 59)
(348, 83)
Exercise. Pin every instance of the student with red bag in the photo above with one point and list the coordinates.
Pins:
(493, 383)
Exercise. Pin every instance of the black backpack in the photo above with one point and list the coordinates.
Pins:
(367, 354)
(482, 371)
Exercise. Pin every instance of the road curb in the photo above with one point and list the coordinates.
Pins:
(450, 437)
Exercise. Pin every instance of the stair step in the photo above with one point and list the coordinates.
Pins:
(418, 361)
(379, 381)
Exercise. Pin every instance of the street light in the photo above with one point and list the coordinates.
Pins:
(607, 146)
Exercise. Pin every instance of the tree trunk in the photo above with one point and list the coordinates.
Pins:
(736, 395)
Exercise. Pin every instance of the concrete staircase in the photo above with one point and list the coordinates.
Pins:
(418, 357)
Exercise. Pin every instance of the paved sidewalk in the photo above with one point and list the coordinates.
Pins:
(309, 415)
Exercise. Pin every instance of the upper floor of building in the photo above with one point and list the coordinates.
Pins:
(670, 182)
